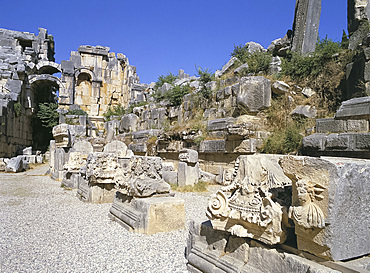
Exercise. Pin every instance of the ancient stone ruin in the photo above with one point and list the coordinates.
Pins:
(269, 212)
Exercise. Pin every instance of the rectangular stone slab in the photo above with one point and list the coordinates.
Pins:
(148, 215)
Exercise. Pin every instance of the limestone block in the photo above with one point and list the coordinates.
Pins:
(27, 151)
(330, 205)
(212, 146)
(116, 147)
(62, 135)
(254, 93)
(168, 166)
(280, 87)
(305, 111)
(83, 147)
(188, 174)
(210, 250)
(357, 108)
(330, 125)
(226, 67)
(240, 69)
(170, 177)
(306, 26)
(315, 141)
(148, 215)
(2, 165)
(16, 164)
(362, 141)
(360, 125)
(220, 124)
(308, 92)
(337, 141)
(189, 156)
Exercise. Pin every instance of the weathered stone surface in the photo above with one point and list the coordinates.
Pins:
(330, 125)
(116, 147)
(189, 156)
(83, 147)
(226, 67)
(254, 93)
(342, 144)
(188, 169)
(27, 151)
(212, 146)
(210, 250)
(16, 164)
(306, 25)
(305, 111)
(170, 177)
(245, 207)
(280, 87)
(220, 124)
(129, 123)
(330, 206)
(240, 69)
(357, 108)
(62, 136)
(308, 92)
(148, 215)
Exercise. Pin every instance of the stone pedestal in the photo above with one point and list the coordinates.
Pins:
(148, 215)
(188, 169)
(98, 193)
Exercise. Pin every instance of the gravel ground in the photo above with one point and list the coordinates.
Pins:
(45, 228)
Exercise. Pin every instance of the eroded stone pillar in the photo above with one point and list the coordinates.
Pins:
(306, 25)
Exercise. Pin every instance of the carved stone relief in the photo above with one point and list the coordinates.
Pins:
(249, 206)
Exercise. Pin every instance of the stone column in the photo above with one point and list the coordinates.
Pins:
(188, 171)
(306, 25)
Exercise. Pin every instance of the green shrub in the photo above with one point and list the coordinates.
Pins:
(283, 141)
(117, 110)
(17, 109)
(257, 61)
(48, 115)
(205, 76)
(130, 109)
(169, 78)
(300, 67)
(176, 94)
(77, 112)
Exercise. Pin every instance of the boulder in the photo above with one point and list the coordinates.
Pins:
(254, 93)
(305, 111)
(280, 87)
(226, 67)
(17, 164)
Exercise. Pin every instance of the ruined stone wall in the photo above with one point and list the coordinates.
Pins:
(95, 79)
(21, 56)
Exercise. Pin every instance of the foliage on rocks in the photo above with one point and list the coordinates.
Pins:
(117, 110)
(205, 76)
(48, 115)
(162, 79)
(175, 95)
(77, 112)
(257, 61)
(324, 70)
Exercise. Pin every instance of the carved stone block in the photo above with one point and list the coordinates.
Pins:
(255, 202)
(330, 205)
(148, 215)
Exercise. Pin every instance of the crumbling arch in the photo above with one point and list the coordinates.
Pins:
(47, 67)
(45, 80)
(87, 71)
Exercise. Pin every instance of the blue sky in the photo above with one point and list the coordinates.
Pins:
(165, 35)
